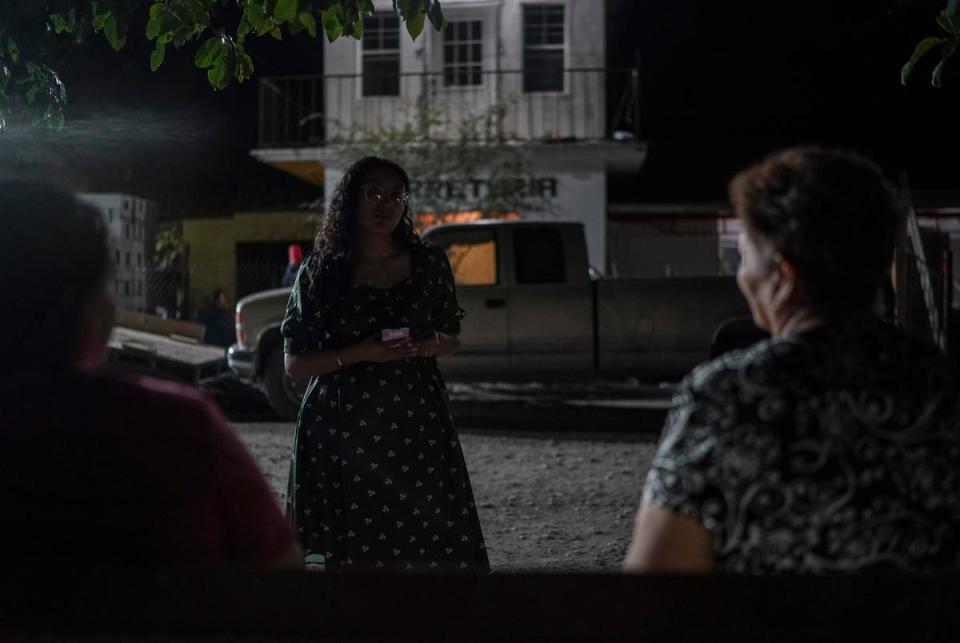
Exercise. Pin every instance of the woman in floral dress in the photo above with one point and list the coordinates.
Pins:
(378, 479)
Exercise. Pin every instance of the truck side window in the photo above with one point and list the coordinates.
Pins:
(472, 255)
(538, 256)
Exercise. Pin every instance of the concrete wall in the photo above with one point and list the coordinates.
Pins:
(131, 221)
(212, 246)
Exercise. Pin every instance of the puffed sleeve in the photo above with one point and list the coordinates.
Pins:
(446, 310)
(303, 328)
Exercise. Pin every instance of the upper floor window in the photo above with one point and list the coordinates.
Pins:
(463, 53)
(381, 55)
(543, 47)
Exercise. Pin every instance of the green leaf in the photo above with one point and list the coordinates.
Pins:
(216, 73)
(935, 78)
(919, 52)
(366, 6)
(246, 67)
(112, 32)
(357, 30)
(258, 18)
(944, 22)
(157, 56)
(309, 23)
(231, 63)
(276, 33)
(59, 23)
(286, 10)
(208, 52)
(243, 30)
(415, 23)
(435, 14)
(332, 23)
(163, 23)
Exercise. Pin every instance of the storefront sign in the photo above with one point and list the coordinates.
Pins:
(542, 187)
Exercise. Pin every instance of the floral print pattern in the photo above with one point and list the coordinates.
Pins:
(831, 451)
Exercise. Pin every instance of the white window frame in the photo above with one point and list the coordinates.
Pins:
(470, 42)
(383, 52)
(565, 47)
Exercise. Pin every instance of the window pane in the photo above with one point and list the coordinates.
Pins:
(381, 31)
(555, 35)
(461, 54)
(473, 256)
(538, 256)
(543, 24)
(477, 30)
(381, 75)
(543, 70)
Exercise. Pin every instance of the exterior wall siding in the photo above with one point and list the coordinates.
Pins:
(578, 112)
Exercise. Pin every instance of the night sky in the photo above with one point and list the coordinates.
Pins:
(720, 87)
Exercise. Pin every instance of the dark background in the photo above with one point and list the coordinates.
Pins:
(721, 84)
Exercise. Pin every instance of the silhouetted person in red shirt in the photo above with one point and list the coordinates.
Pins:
(101, 470)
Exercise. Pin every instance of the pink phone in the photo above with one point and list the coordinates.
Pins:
(389, 335)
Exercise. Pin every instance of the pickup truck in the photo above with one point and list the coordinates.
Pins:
(534, 309)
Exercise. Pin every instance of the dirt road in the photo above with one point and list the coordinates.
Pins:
(547, 502)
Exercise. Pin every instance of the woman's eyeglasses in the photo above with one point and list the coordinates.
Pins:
(373, 192)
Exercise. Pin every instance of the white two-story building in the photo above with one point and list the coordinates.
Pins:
(543, 63)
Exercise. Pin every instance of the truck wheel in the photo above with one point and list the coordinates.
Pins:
(283, 392)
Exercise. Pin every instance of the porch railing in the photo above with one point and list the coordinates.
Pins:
(308, 111)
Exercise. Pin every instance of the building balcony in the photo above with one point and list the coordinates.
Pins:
(589, 105)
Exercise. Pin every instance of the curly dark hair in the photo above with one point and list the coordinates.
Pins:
(336, 238)
(830, 212)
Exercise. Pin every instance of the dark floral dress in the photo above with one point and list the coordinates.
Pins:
(831, 451)
(378, 479)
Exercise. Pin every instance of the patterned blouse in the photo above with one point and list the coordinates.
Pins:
(831, 451)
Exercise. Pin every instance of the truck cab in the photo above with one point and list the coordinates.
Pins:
(534, 308)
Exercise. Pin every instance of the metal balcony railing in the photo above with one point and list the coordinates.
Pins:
(310, 111)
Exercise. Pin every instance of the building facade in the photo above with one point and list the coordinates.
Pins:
(540, 67)
(242, 254)
(131, 221)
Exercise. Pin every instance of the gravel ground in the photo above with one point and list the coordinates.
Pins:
(556, 503)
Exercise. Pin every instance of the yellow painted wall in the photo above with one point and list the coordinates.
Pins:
(212, 246)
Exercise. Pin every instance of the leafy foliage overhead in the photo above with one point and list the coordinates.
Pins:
(33, 32)
(945, 44)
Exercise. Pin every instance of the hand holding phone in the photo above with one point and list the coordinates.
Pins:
(395, 335)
